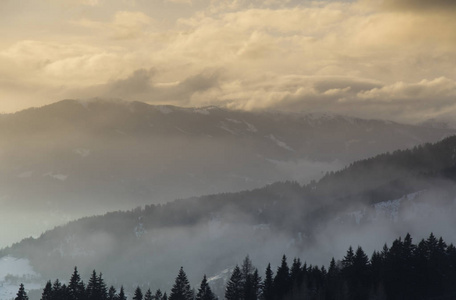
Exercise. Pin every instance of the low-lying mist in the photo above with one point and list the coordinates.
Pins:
(54, 184)
(148, 245)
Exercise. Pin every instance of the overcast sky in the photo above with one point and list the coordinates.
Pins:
(393, 59)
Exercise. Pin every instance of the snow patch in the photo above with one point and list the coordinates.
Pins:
(60, 177)
(224, 127)
(388, 209)
(233, 121)
(181, 130)
(15, 266)
(250, 127)
(222, 275)
(280, 143)
(14, 271)
(139, 230)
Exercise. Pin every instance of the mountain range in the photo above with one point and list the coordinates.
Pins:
(76, 158)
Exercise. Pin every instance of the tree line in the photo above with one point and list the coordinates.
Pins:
(405, 270)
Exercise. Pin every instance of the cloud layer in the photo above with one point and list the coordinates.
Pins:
(389, 59)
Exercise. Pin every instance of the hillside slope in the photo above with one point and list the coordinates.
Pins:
(72, 158)
(366, 203)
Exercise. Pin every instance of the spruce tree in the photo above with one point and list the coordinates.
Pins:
(348, 260)
(282, 282)
(234, 288)
(138, 294)
(148, 295)
(93, 287)
(158, 295)
(96, 287)
(112, 293)
(296, 274)
(21, 294)
(256, 286)
(165, 296)
(268, 284)
(181, 289)
(204, 291)
(103, 290)
(247, 268)
(57, 290)
(122, 294)
(361, 280)
(47, 291)
(332, 281)
(76, 289)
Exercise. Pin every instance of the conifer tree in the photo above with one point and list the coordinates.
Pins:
(158, 295)
(21, 294)
(234, 288)
(112, 293)
(103, 290)
(76, 289)
(47, 291)
(122, 294)
(332, 281)
(296, 274)
(138, 294)
(57, 290)
(148, 295)
(348, 260)
(165, 296)
(247, 268)
(204, 291)
(360, 282)
(253, 292)
(181, 289)
(96, 287)
(268, 285)
(282, 282)
(92, 287)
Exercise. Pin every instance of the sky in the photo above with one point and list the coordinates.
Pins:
(390, 59)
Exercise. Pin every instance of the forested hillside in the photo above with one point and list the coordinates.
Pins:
(370, 200)
(404, 270)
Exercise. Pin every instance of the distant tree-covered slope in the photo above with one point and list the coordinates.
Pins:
(369, 201)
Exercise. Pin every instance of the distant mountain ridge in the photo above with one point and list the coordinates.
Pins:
(76, 158)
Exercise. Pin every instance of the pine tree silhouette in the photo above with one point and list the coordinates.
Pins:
(204, 291)
(148, 295)
(138, 294)
(21, 294)
(181, 289)
(234, 288)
